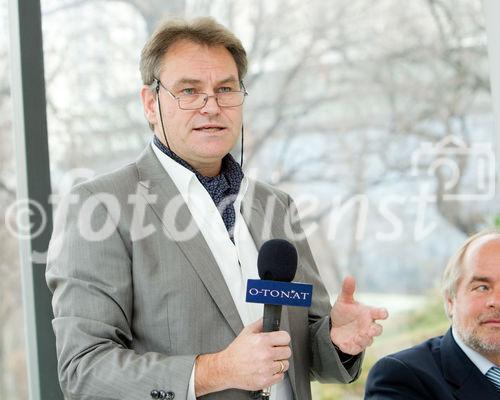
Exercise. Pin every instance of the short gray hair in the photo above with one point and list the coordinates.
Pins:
(454, 270)
(204, 30)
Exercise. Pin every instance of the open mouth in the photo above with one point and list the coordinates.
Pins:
(209, 129)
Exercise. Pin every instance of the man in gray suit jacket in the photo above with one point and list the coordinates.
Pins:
(147, 264)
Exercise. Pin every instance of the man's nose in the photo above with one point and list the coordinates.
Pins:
(494, 299)
(211, 106)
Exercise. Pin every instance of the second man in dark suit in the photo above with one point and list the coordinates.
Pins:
(464, 363)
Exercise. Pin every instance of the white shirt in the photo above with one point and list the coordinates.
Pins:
(481, 362)
(237, 262)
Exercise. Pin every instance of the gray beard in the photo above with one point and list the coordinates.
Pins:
(472, 339)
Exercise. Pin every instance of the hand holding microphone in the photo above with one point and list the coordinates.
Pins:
(259, 355)
(252, 358)
(250, 362)
(262, 344)
(277, 265)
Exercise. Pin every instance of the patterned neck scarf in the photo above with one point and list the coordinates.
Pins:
(222, 188)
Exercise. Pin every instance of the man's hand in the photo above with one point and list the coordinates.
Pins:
(354, 324)
(250, 362)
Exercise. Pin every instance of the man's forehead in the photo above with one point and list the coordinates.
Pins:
(483, 253)
(194, 81)
(191, 56)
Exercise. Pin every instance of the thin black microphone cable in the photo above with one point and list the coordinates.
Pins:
(242, 142)
(161, 116)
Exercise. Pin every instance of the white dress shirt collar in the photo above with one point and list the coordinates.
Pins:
(183, 177)
(481, 362)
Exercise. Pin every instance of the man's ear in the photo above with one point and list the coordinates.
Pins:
(149, 104)
(449, 307)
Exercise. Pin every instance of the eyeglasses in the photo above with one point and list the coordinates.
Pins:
(196, 101)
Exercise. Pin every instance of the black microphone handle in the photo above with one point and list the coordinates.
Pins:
(272, 317)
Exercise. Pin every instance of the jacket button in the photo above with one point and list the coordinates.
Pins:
(256, 395)
(170, 396)
(155, 394)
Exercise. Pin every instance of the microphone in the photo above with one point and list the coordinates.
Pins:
(277, 261)
(277, 265)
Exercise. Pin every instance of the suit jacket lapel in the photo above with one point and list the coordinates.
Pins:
(156, 181)
(467, 381)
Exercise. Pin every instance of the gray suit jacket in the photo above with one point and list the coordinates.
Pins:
(133, 307)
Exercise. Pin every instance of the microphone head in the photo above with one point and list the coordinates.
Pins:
(277, 261)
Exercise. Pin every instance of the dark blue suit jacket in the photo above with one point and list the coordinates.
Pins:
(436, 369)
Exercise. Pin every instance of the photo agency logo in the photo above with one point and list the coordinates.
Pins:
(465, 173)
(447, 171)
(440, 172)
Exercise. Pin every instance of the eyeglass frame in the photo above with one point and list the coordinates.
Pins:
(178, 98)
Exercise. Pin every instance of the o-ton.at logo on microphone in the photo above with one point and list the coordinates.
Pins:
(290, 294)
(279, 293)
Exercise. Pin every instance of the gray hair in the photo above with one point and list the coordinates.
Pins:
(454, 270)
(204, 30)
